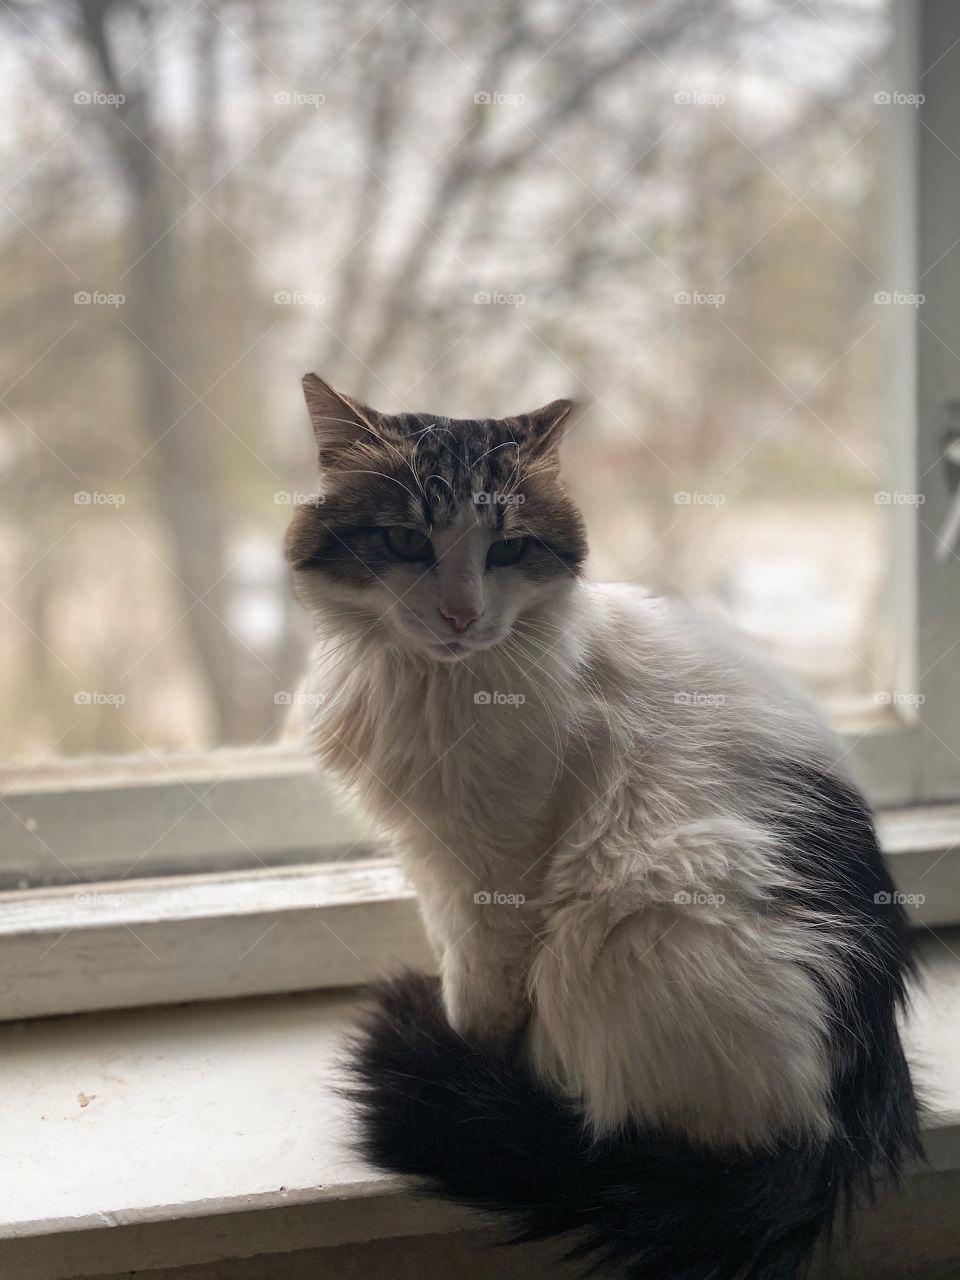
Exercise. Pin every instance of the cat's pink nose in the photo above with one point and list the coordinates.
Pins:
(459, 619)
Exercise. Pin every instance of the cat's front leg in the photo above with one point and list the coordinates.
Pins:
(483, 979)
(482, 942)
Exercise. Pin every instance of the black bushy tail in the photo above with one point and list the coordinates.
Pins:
(478, 1129)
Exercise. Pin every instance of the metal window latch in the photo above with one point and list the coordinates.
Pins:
(949, 536)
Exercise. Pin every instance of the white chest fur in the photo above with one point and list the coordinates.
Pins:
(466, 757)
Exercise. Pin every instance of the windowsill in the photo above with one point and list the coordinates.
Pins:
(168, 1136)
(212, 1131)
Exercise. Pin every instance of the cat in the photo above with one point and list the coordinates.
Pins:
(670, 955)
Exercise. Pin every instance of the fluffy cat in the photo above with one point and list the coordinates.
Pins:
(671, 957)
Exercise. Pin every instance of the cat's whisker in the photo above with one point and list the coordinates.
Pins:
(379, 439)
(507, 444)
(554, 727)
(567, 705)
(380, 475)
(588, 680)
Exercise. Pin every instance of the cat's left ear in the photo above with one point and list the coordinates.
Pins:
(545, 427)
(339, 421)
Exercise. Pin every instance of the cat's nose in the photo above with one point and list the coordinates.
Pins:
(459, 619)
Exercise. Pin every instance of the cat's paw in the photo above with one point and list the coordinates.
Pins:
(484, 1007)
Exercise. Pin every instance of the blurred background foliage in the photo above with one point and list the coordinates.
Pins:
(338, 186)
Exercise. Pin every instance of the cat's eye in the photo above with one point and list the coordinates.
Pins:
(406, 544)
(506, 551)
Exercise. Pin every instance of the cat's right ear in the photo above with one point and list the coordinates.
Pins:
(339, 423)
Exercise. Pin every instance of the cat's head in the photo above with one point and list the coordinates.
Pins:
(437, 533)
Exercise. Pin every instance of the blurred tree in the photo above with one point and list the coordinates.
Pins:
(536, 152)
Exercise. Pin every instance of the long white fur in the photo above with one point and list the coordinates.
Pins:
(626, 802)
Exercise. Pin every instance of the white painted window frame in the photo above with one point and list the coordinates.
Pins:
(911, 755)
(112, 944)
(287, 891)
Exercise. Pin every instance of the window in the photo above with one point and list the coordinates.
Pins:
(702, 224)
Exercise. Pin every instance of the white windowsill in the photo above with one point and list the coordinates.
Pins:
(212, 1131)
(209, 1131)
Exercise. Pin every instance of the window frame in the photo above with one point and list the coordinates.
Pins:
(911, 755)
(150, 815)
(76, 947)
